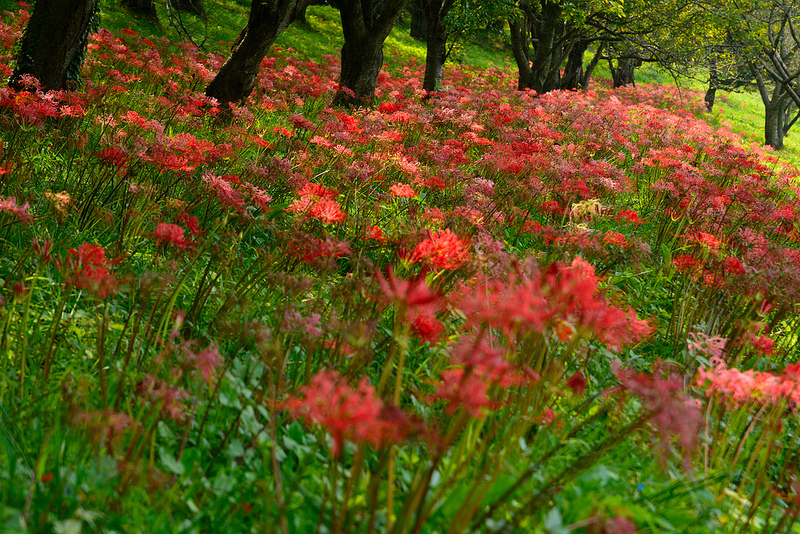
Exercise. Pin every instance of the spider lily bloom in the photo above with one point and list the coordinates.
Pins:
(87, 268)
(442, 250)
(347, 413)
(170, 234)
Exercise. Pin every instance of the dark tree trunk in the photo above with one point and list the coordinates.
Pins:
(775, 118)
(299, 15)
(146, 8)
(54, 43)
(713, 83)
(519, 47)
(436, 55)
(237, 76)
(773, 128)
(710, 98)
(573, 71)
(419, 20)
(361, 64)
(190, 6)
(587, 73)
(546, 30)
(623, 73)
(365, 25)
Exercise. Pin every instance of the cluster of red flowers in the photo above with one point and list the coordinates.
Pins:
(347, 413)
(741, 387)
(560, 299)
(317, 202)
(442, 250)
(87, 268)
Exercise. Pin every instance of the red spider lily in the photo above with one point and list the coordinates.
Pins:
(442, 250)
(310, 250)
(686, 263)
(170, 234)
(427, 328)
(402, 190)
(614, 238)
(191, 223)
(741, 387)
(206, 361)
(464, 389)
(21, 211)
(557, 297)
(87, 268)
(673, 413)
(160, 393)
(376, 233)
(413, 296)
(350, 414)
(103, 427)
(224, 192)
(316, 201)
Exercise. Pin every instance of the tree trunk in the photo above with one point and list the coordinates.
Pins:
(573, 71)
(237, 76)
(587, 73)
(419, 20)
(773, 127)
(546, 30)
(299, 15)
(711, 93)
(54, 43)
(361, 64)
(366, 25)
(775, 118)
(519, 47)
(623, 74)
(190, 6)
(146, 8)
(435, 56)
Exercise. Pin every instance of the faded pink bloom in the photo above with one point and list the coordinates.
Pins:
(402, 190)
(170, 234)
(442, 250)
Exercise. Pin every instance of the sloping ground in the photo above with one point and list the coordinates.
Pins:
(483, 310)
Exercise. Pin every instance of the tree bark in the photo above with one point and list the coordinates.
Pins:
(436, 38)
(546, 30)
(299, 15)
(775, 118)
(623, 74)
(435, 56)
(237, 76)
(146, 8)
(573, 70)
(519, 47)
(365, 25)
(54, 43)
(419, 20)
(587, 73)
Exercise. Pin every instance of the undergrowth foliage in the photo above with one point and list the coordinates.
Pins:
(480, 311)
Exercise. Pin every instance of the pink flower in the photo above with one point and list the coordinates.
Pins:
(170, 234)
(427, 328)
(355, 415)
(442, 250)
(21, 211)
(402, 190)
(87, 268)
